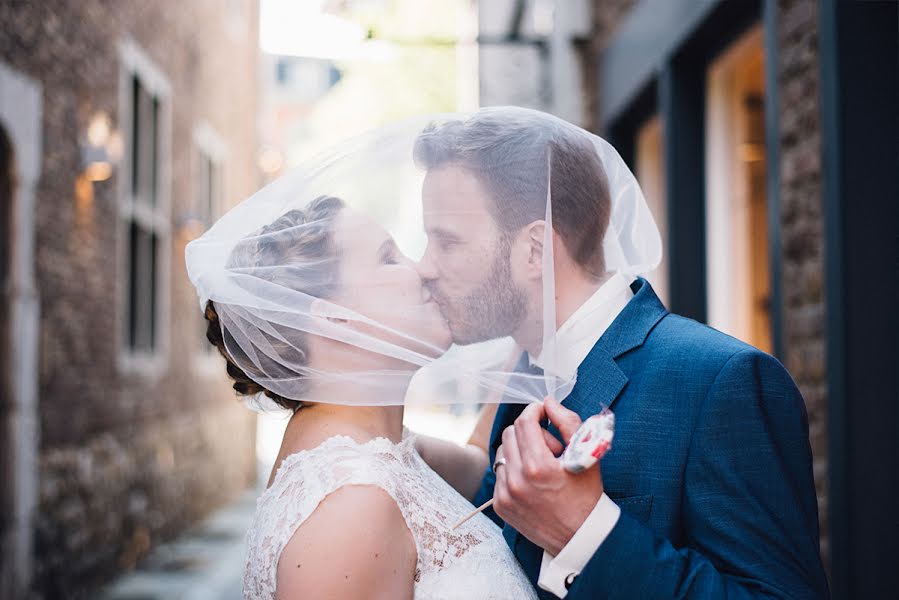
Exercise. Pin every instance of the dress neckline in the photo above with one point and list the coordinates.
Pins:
(379, 442)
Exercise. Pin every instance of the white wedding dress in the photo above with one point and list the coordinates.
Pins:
(472, 562)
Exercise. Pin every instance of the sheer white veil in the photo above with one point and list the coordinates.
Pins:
(417, 260)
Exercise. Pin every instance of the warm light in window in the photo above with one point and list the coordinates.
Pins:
(751, 152)
(98, 171)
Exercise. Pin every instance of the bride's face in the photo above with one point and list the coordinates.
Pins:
(378, 281)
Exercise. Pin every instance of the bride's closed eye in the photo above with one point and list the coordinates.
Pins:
(388, 253)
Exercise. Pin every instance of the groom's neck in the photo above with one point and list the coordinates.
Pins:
(573, 289)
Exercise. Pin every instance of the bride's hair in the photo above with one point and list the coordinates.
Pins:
(308, 241)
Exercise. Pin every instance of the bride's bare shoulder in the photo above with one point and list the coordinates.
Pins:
(356, 544)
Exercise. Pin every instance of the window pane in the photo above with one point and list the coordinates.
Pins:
(135, 134)
(153, 290)
(154, 151)
(133, 243)
(147, 142)
(142, 288)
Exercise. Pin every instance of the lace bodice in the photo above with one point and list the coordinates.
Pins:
(472, 561)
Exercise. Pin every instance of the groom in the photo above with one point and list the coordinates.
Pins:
(708, 490)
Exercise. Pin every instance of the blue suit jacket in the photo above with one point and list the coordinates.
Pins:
(711, 466)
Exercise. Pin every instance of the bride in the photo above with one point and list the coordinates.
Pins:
(351, 510)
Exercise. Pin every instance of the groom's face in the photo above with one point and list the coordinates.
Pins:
(466, 265)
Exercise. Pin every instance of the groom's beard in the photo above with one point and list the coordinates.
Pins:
(493, 310)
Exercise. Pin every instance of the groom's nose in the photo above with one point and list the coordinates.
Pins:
(425, 267)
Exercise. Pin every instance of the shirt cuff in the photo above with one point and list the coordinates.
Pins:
(558, 572)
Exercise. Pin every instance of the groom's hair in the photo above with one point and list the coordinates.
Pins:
(510, 154)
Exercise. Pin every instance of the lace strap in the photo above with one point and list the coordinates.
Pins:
(304, 480)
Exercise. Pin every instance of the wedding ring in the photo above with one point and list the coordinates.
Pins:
(499, 462)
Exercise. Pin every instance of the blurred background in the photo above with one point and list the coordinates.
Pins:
(763, 132)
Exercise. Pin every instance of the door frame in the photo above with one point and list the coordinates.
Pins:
(21, 111)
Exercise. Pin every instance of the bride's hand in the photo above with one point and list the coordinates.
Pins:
(461, 466)
(533, 492)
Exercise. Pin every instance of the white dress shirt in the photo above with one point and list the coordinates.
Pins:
(574, 340)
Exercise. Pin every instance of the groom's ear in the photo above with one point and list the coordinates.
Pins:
(535, 234)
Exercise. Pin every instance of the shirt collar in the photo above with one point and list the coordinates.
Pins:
(580, 332)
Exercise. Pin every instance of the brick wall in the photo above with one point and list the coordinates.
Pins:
(127, 460)
(802, 223)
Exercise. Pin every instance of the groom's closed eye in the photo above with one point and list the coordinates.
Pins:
(447, 245)
(444, 239)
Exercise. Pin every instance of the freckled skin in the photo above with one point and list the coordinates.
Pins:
(337, 561)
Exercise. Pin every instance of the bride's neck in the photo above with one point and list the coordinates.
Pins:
(311, 426)
(359, 422)
(320, 419)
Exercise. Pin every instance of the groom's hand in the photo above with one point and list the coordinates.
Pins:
(534, 493)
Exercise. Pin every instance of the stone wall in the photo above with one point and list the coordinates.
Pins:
(802, 223)
(107, 501)
(127, 459)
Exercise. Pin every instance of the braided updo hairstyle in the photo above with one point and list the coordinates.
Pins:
(312, 244)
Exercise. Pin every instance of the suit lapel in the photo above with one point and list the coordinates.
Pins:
(639, 317)
(600, 381)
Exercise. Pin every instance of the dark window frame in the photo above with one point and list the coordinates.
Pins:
(671, 83)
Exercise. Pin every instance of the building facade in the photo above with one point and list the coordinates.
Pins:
(536, 54)
(764, 135)
(126, 129)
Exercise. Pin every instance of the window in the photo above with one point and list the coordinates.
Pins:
(207, 203)
(650, 173)
(736, 201)
(144, 210)
(209, 157)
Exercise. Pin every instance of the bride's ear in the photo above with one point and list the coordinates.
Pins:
(327, 310)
